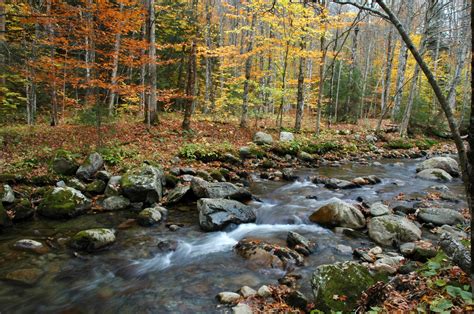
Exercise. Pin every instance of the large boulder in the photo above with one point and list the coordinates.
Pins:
(64, 202)
(262, 138)
(144, 187)
(286, 137)
(337, 213)
(435, 175)
(440, 216)
(268, 255)
(447, 164)
(204, 189)
(389, 228)
(92, 164)
(347, 279)
(93, 239)
(215, 214)
(64, 166)
(116, 203)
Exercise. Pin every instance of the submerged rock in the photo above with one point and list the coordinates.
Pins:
(299, 243)
(440, 216)
(447, 164)
(144, 187)
(204, 189)
(389, 228)
(178, 194)
(215, 214)
(26, 276)
(337, 213)
(434, 175)
(92, 164)
(64, 203)
(268, 255)
(379, 209)
(347, 279)
(93, 239)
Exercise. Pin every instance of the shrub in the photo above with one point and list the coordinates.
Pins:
(426, 143)
(115, 154)
(287, 148)
(205, 152)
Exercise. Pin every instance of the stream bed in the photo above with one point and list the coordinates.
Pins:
(135, 275)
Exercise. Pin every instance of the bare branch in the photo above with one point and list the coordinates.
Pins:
(363, 7)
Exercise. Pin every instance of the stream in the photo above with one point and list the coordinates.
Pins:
(135, 275)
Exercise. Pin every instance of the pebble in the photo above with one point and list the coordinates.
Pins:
(30, 245)
(228, 297)
(246, 292)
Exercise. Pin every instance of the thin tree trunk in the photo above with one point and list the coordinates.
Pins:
(190, 87)
(115, 61)
(283, 86)
(208, 82)
(54, 101)
(300, 92)
(248, 69)
(152, 116)
(409, 106)
(322, 67)
(337, 91)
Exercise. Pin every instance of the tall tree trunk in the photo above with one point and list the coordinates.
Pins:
(143, 93)
(54, 100)
(300, 91)
(337, 91)
(409, 106)
(351, 83)
(248, 69)
(152, 115)
(190, 87)
(113, 81)
(208, 40)
(283, 85)
(322, 67)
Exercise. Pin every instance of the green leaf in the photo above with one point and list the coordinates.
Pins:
(440, 282)
(441, 305)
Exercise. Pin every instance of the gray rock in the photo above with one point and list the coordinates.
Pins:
(116, 203)
(349, 279)
(103, 175)
(188, 170)
(76, 184)
(149, 216)
(245, 152)
(447, 164)
(246, 292)
(242, 308)
(93, 164)
(296, 299)
(286, 137)
(64, 166)
(440, 216)
(113, 187)
(7, 195)
(266, 255)
(61, 184)
(215, 214)
(379, 209)
(179, 193)
(288, 174)
(144, 187)
(389, 228)
(93, 239)
(454, 232)
(228, 297)
(407, 249)
(64, 203)
(434, 175)
(30, 246)
(299, 243)
(262, 138)
(264, 291)
(339, 184)
(337, 213)
(371, 138)
(96, 187)
(204, 189)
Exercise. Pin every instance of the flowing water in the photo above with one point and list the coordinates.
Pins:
(135, 276)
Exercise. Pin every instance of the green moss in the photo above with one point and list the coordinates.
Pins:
(399, 143)
(125, 181)
(287, 148)
(59, 204)
(321, 148)
(425, 144)
(96, 187)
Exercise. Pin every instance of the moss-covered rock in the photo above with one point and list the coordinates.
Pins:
(23, 209)
(171, 181)
(64, 202)
(96, 187)
(92, 164)
(92, 239)
(149, 216)
(347, 279)
(388, 229)
(64, 166)
(144, 187)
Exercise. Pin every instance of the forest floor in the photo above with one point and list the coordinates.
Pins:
(29, 150)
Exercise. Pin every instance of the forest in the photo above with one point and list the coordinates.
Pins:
(244, 156)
